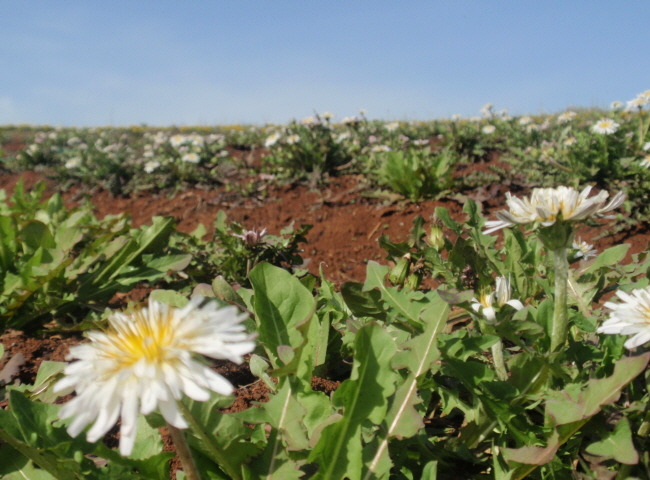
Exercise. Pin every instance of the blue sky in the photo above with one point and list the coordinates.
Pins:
(87, 63)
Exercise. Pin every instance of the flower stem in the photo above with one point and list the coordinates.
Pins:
(499, 364)
(210, 444)
(559, 329)
(183, 452)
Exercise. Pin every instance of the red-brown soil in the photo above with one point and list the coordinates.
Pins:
(346, 227)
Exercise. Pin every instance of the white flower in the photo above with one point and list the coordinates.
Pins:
(380, 148)
(569, 141)
(485, 304)
(630, 317)
(583, 249)
(151, 165)
(392, 126)
(74, 162)
(309, 121)
(549, 205)
(271, 140)
(488, 129)
(646, 146)
(327, 115)
(456, 116)
(191, 157)
(144, 362)
(615, 105)
(487, 110)
(636, 104)
(645, 162)
(292, 139)
(525, 120)
(342, 136)
(350, 120)
(605, 126)
(566, 116)
(177, 140)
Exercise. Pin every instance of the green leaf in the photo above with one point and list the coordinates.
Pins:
(283, 307)
(363, 398)
(617, 445)
(575, 402)
(170, 297)
(402, 419)
(611, 256)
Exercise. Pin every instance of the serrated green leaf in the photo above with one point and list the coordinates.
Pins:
(402, 419)
(363, 397)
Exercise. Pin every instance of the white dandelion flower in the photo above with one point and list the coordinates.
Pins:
(486, 303)
(629, 317)
(271, 140)
(605, 126)
(151, 166)
(191, 157)
(145, 362)
(583, 249)
(547, 206)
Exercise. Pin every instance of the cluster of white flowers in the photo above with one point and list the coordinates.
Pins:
(145, 362)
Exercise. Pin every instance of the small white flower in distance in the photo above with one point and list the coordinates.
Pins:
(145, 361)
(615, 105)
(74, 162)
(292, 139)
(629, 317)
(380, 148)
(548, 205)
(525, 120)
(271, 139)
(327, 115)
(309, 121)
(605, 126)
(485, 305)
(489, 129)
(151, 166)
(566, 116)
(583, 249)
(191, 157)
(392, 126)
(349, 120)
(177, 140)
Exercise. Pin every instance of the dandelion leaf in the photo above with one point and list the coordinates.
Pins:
(362, 398)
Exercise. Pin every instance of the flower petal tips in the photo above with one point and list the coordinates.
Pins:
(145, 362)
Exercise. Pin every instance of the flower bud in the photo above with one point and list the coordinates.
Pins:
(399, 272)
(436, 238)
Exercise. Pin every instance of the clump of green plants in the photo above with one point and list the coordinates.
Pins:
(58, 263)
(510, 367)
(233, 251)
(415, 173)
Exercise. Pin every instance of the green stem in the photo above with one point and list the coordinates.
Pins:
(499, 363)
(183, 452)
(559, 329)
(210, 444)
